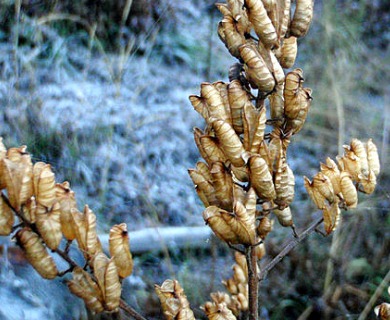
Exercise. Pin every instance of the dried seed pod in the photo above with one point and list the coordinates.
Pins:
(383, 311)
(292, 97)
(232, 38)
(49, 225)
(78, 221)
(223, 184)
(265, 227)
(204, 188)
(284, 217)
(257, 72)
(276, 101)
(284, 182)
(29, 210)
(93, 245)
(239, 13)
(373, 157)
(260, 253)
(348, 190)
(198, 133)
(358, 148)
(200, 106)
(276, 69)
(262, 24)
(238, 98)
(242, 224)
(36, 253)
(212, 149)
(215, 311)
(66, 199)
(261, 178)
(368, 182)
(7, 218)
(331, 170)
(215, 102)
(289, 52)
(85, 288)
(320, 190)
(120, 250)
(258, 134)
(44, 184)
(294, 125)
(284, 18)
(250, 117)
(331, 216)
(350, 162)
(301, 20)
(229, 142)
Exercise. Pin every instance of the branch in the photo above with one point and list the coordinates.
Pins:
(251, 261)
(130, 311)
(286, 250)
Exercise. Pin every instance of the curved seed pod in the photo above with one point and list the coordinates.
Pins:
(93, 245)
(204, 188)
(222, 297)
(120, 250)
(198, 133)
(239, 274)
(49, 225)
(293, 83)
(348, 190)
(284, 217)
(301, 20)
(229, 142)
(223, 184)
(78, 221)
(215, 311)
(204, 170)
(214, 101)
(350, 162)
(257, 72)
(250, 120)
(233, 39)
(321, 184)
(276, 101)
(243, 224)
(258, 135)
(284, 18)
(238, 98)
(44, 184)
(231, 286)
(331, 170)
(66, 199)
(277, 69)
(200, 106)
(212, 150)
(357, 147)
(36, 253)
(331, 216)
(284, 184)
(250, 204)
(240, 173)
(294, 125)
(85, 288)
(368, 182)
(239, 13)
(7, 218)
(265, 227)
(222, 88)
(262, 24)
(29, 210)
(373, 157)
(260, 253)
(224, 9)
(289, 52)
(261, 178)
(383, 311)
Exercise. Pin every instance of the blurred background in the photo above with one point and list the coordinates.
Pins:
(99, 89)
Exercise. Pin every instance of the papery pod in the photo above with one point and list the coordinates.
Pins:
(265, 227)
(215, 102)
(277, 69)
(284, 216)
(301, 20)
(277, 146)
(213, 216)
(215, 311)
(294, 125)
(44, 184)
(66, 199)
(383, 311)
(222, 88)
(107, 277)
(284, 182)
(292, 95)
(331, 214)
(271, 6)
(257, 72)
(331, 170)
(223, 184)
(233, 39)
(284, 17)
(204, 170)
(80, 228)
(223, 297)
(258, 136)
(250, 118)
(204, 188)
(241, 261)
(261, 178)
(85, 288)
(260, 253)
(289, 52)
(229, 142)
(49, 225)
(173, 301)
(198, 133)
(358, 148)
(93, 245)
(200, 106)
(36, 253)
(320, 190)
(239, 13)
(238, 98)
(368, 182)
(29, 210)
(243, 224)
(212, 149)
(261, 23)
(7, 218)
(120, 249)
(348, 190)
(373, 157)
(231, 286)
(350, 162)
(224, 9)
(3, 149)
(250, 204)
(276, 101)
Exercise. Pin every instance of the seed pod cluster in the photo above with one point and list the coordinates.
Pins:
(47, 212)
(336, 185)
(173, 301)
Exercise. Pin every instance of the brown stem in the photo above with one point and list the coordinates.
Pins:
(289, 246)
(130, 311)
(251, 260)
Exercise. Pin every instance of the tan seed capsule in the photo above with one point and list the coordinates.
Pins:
(350, 163)
(258, 134)
(368, 182)
(265, 227)
(348, 190)
(373, 157)
(66, 199)
(331, 170)
(93, 245)
(7, 218)
(215, 311)
(331, 214)
(44, 184)
(301, 20)
(284, 18)
(358, 148)
(200, 106)
(261, 178)
(36, 253)
(204, 187)
(289, 52)
(284, 217)
(215, 102)
(238, 98)
(383, 311)
(49, 225)
(233, 39)
(120, 250)
(223, 184)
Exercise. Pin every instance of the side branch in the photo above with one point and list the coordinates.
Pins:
(130, 311)
(289, 246)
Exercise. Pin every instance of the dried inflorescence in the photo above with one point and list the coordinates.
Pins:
(47, 213)
(336, 185)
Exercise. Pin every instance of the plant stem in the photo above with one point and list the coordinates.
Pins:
(288, 247)
(130, 311)
(251, 260)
